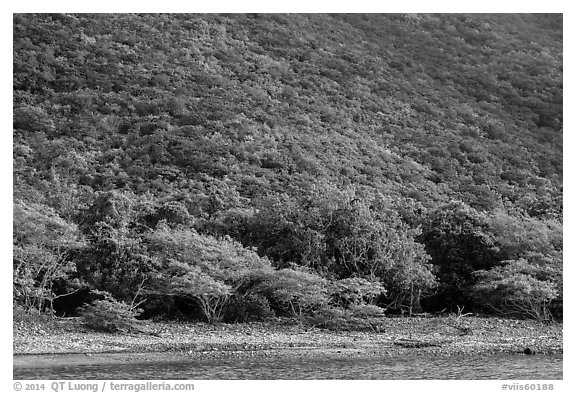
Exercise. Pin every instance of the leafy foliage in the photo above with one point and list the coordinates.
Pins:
(200, 268)
(246, 308)
(336, 233)
(517, 288)
(110, 315)
(410, 151)
(460, 243)
(42, 245)
(296, 292)
(186, 281)
(355, 291)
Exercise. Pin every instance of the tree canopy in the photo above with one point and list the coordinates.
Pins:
(419, 153)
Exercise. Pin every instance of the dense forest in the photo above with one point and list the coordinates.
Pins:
(327, 168)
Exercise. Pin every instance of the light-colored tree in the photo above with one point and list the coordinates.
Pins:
(42, 244)
(185, 281)
(299, 291)
(201, 268)
(515, 289)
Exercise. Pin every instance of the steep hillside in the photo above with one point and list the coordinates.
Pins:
(264, 128)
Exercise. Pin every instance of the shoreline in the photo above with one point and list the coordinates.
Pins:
(63, 342)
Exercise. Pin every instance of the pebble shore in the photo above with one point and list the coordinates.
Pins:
(68, 341)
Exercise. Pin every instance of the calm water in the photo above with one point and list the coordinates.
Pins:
(424, 367)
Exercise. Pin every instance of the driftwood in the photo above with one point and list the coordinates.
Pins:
(417, 344)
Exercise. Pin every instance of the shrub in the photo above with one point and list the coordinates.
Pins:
(355, 291)
(246, 308)
(332, 318)
(515, 289)
(110, 315)
(190, 282)
(31, 118)
(200, 268)
(43, 243)
(173, 213)
(295, 292)
(28, 317)
(366, 311)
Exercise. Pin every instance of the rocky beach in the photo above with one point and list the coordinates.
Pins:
(67, 341)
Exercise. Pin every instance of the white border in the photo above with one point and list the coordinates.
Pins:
(295, 6)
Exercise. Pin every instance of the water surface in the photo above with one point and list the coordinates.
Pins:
(380, 368)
